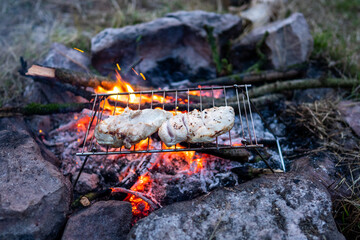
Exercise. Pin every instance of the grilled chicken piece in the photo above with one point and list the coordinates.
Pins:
(197, 127)
(130, 127)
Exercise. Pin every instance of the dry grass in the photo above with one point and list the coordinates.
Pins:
(323, 120)
(335, 28)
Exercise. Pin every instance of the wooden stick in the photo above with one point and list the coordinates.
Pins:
(279, 87)
(137, 194)
(72, 77)
(249, 78)
(236, 154)
(55, 84)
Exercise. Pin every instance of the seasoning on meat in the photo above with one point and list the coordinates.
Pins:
(197, 127)
(130, 127)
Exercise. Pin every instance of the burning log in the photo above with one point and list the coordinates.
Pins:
(250, 78)
(258, 102)
(238, 155)
(56, 84)
(53, 108)
(71, 77)
(43, 109)
(235, 154)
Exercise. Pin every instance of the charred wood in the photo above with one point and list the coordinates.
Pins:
(153, 205)
(258, 102)
(236, 154)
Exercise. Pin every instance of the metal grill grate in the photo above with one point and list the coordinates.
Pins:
(176, 100)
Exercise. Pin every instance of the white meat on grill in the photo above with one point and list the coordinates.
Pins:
(130, 127)
(196, 126)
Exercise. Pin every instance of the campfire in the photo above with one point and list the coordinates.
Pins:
(151, 174)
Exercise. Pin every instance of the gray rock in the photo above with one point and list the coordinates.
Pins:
(42, 122)
(34, 196)
(274, 207)
(321, 167)
(350, 111)
(87, 182)
(173, 48)
(60, 56)
(289, 42)
(224, 26)
(103, 220)
(37, 92)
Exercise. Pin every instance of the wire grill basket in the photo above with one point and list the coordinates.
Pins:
(176, 100)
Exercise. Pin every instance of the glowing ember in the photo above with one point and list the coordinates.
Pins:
(139, 206)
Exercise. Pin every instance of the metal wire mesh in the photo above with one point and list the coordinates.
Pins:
(175, 100)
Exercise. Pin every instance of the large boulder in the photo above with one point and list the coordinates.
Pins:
(321, 167)
(34, 195)
(103, 220)
(288, 43)
(274, 207)
(223, 27)
(173, 48)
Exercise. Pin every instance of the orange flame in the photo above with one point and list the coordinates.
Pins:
(139, 206)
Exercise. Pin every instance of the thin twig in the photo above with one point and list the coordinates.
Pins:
(137, 194)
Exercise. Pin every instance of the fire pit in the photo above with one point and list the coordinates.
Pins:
(157, 174)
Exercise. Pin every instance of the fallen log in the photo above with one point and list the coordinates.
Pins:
(279, 87)
(249, 78)
(258, 102)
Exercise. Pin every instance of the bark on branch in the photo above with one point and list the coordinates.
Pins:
(279, 87)
(250, 78)
(71, 77)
